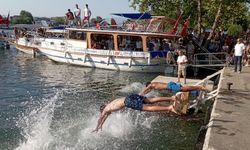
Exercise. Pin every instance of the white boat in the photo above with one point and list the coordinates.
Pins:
(26, 38)
(124, 50)
(27, 45)
(29, 37)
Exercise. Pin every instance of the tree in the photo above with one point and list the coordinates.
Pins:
(25, 17)
(58, 20)
(216, 20)
(199, 16)
(235, 30)
(218, 14)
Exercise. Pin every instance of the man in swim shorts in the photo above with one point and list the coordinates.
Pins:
(171, 86)
(136, 102)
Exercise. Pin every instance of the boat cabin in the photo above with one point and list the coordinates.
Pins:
(119, 40)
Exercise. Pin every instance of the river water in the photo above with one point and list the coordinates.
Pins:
(49, 106)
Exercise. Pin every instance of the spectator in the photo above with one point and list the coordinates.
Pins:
(87, 14)
(182, 65)
(248, 54)
(165, 45)
(77, 14)
(238, 53)
(157, 45)
(69, 18)
(139, 45)
(151, 45)
(190, 51)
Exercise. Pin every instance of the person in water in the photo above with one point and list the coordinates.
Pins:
(171, 86)
(136, 102)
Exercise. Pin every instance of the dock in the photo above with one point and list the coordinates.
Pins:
(229, 124)
(166, 79)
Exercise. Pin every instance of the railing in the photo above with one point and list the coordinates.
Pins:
(210, 59)
(204, 96)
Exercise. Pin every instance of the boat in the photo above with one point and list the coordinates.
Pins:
(29, 37)
(108, 46)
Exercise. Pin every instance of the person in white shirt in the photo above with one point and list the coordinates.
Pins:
(182, 65)
(87, 14)
(139, 45)
(77, 14)
(238, 53)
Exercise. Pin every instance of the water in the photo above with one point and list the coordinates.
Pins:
(49, 106)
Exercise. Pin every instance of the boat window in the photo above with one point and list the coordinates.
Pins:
(130, 43)
(155, 43)
(77, 35)
(102, 41)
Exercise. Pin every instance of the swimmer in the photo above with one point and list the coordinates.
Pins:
(136, 102)
(171, 86)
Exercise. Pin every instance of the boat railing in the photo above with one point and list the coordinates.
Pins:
(114, 53)
(210, 59)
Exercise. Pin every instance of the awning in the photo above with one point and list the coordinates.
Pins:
(134, 15)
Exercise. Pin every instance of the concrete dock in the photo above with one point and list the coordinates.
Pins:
(166, 79)
(229, 125)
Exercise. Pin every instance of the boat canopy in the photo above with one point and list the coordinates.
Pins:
(134, 15)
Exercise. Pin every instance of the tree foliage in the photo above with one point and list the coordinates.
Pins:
(25, 17)
(58, 20)
(231, 11)
(235, 30)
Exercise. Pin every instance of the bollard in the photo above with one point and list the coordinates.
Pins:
(229, 84)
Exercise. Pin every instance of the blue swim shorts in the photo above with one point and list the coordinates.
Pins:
(134, 101)
(174, 87)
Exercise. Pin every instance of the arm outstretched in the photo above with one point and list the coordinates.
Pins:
(146, 90)
(101, 120)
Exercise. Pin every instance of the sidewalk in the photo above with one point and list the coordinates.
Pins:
(229, 126)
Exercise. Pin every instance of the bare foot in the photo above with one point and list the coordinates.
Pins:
(203, 88)
(178, 96)
(173, 110)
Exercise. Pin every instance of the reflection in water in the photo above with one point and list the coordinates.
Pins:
(51, 106)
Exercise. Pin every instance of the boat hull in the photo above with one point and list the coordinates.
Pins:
(82, 58)
(26, 49)
(28, 46)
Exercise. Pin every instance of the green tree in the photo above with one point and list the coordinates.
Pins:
(58, 20)
(215, 14)
(25, 17)
(235, 30)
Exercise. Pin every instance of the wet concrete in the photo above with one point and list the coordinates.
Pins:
(229, 125)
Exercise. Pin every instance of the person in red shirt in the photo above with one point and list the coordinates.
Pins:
(69, 18)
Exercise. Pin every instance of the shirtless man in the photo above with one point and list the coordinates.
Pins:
(136, 102)
(171, 86)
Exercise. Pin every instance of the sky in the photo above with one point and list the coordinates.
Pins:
(54, 8)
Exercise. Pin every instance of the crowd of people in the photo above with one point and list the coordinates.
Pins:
(222, 42)
(74, 18)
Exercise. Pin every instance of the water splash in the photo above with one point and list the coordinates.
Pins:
(42, 130)
(36, 125)
(137, 87)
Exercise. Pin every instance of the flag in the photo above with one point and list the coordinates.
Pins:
(176, 25)
(8, 20)
(185, 26)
